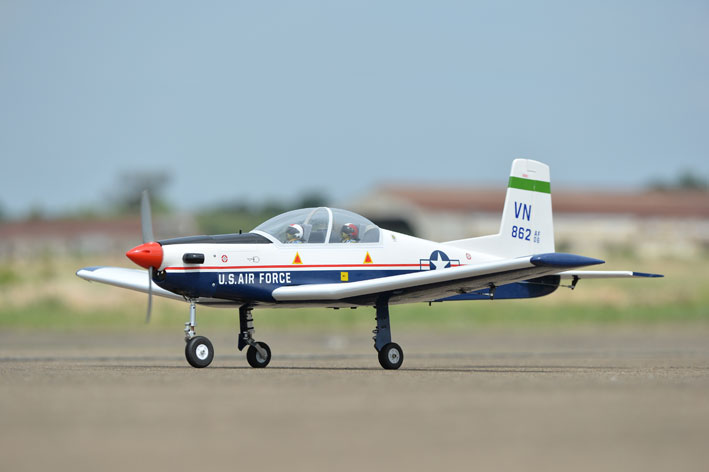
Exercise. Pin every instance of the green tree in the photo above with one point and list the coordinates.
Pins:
(686, 180)
(130, 185)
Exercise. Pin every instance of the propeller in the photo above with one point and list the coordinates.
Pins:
(146, 219)
(150, 295)
(149, 254)
(146, 226)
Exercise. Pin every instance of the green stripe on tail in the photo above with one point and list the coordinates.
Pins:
(529, 184)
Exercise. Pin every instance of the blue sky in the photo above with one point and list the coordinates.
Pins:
(263, 100)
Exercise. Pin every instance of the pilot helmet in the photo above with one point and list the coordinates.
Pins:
(294, 232)
(350, 231)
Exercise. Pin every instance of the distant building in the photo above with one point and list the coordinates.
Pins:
(26, 239)
(656, 223)
(647, 223)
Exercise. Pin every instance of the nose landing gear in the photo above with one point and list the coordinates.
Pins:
(198, 349)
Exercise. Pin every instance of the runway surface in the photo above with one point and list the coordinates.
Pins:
(497, 399)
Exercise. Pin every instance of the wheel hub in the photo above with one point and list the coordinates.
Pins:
(202, 352)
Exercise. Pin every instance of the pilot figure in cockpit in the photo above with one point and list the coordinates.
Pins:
(349, 233)
(294, 234)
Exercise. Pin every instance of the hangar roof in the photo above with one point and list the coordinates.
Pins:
(642, 203)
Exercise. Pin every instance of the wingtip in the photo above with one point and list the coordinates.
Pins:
(87, 269)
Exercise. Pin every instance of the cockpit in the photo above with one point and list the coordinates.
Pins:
(319, 226)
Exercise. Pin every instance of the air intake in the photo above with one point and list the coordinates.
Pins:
(193, 258)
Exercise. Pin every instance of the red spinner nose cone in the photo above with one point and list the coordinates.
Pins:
(146, 255)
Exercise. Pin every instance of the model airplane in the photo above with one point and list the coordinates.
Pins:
(325, 257)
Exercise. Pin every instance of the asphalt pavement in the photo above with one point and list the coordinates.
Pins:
(630, 398)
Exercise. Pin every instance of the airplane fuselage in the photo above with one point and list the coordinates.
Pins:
(243, 270)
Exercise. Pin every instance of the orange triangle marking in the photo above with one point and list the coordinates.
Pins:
(368, 259)
(297, 259)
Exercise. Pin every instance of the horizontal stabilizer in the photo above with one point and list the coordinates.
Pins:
(605, 274)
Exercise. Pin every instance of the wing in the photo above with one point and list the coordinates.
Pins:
(133, 279)
(436, 284)
(136, 279)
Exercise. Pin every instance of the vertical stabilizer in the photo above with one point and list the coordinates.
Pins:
(527, 227)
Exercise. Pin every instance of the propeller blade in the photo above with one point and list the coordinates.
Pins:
(146, 218)
(150, 295)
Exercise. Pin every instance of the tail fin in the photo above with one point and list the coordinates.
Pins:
(527, 226)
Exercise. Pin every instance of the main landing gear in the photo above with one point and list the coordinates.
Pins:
(258, 354)
(391, 356)
(200, 353)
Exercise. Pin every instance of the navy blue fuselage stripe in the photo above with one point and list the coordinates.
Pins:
(259, 285)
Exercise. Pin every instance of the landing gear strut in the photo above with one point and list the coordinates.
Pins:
(391, 356)
(198, 349)
(258, 354)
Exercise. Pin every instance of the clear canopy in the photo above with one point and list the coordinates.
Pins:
(320, 225)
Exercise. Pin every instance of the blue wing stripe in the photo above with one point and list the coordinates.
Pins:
(645, 274)
(561, 260)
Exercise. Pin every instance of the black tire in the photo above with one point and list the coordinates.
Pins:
(199, 352)
(255, 359)
(391, 356)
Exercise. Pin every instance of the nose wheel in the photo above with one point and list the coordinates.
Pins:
(199, 352)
